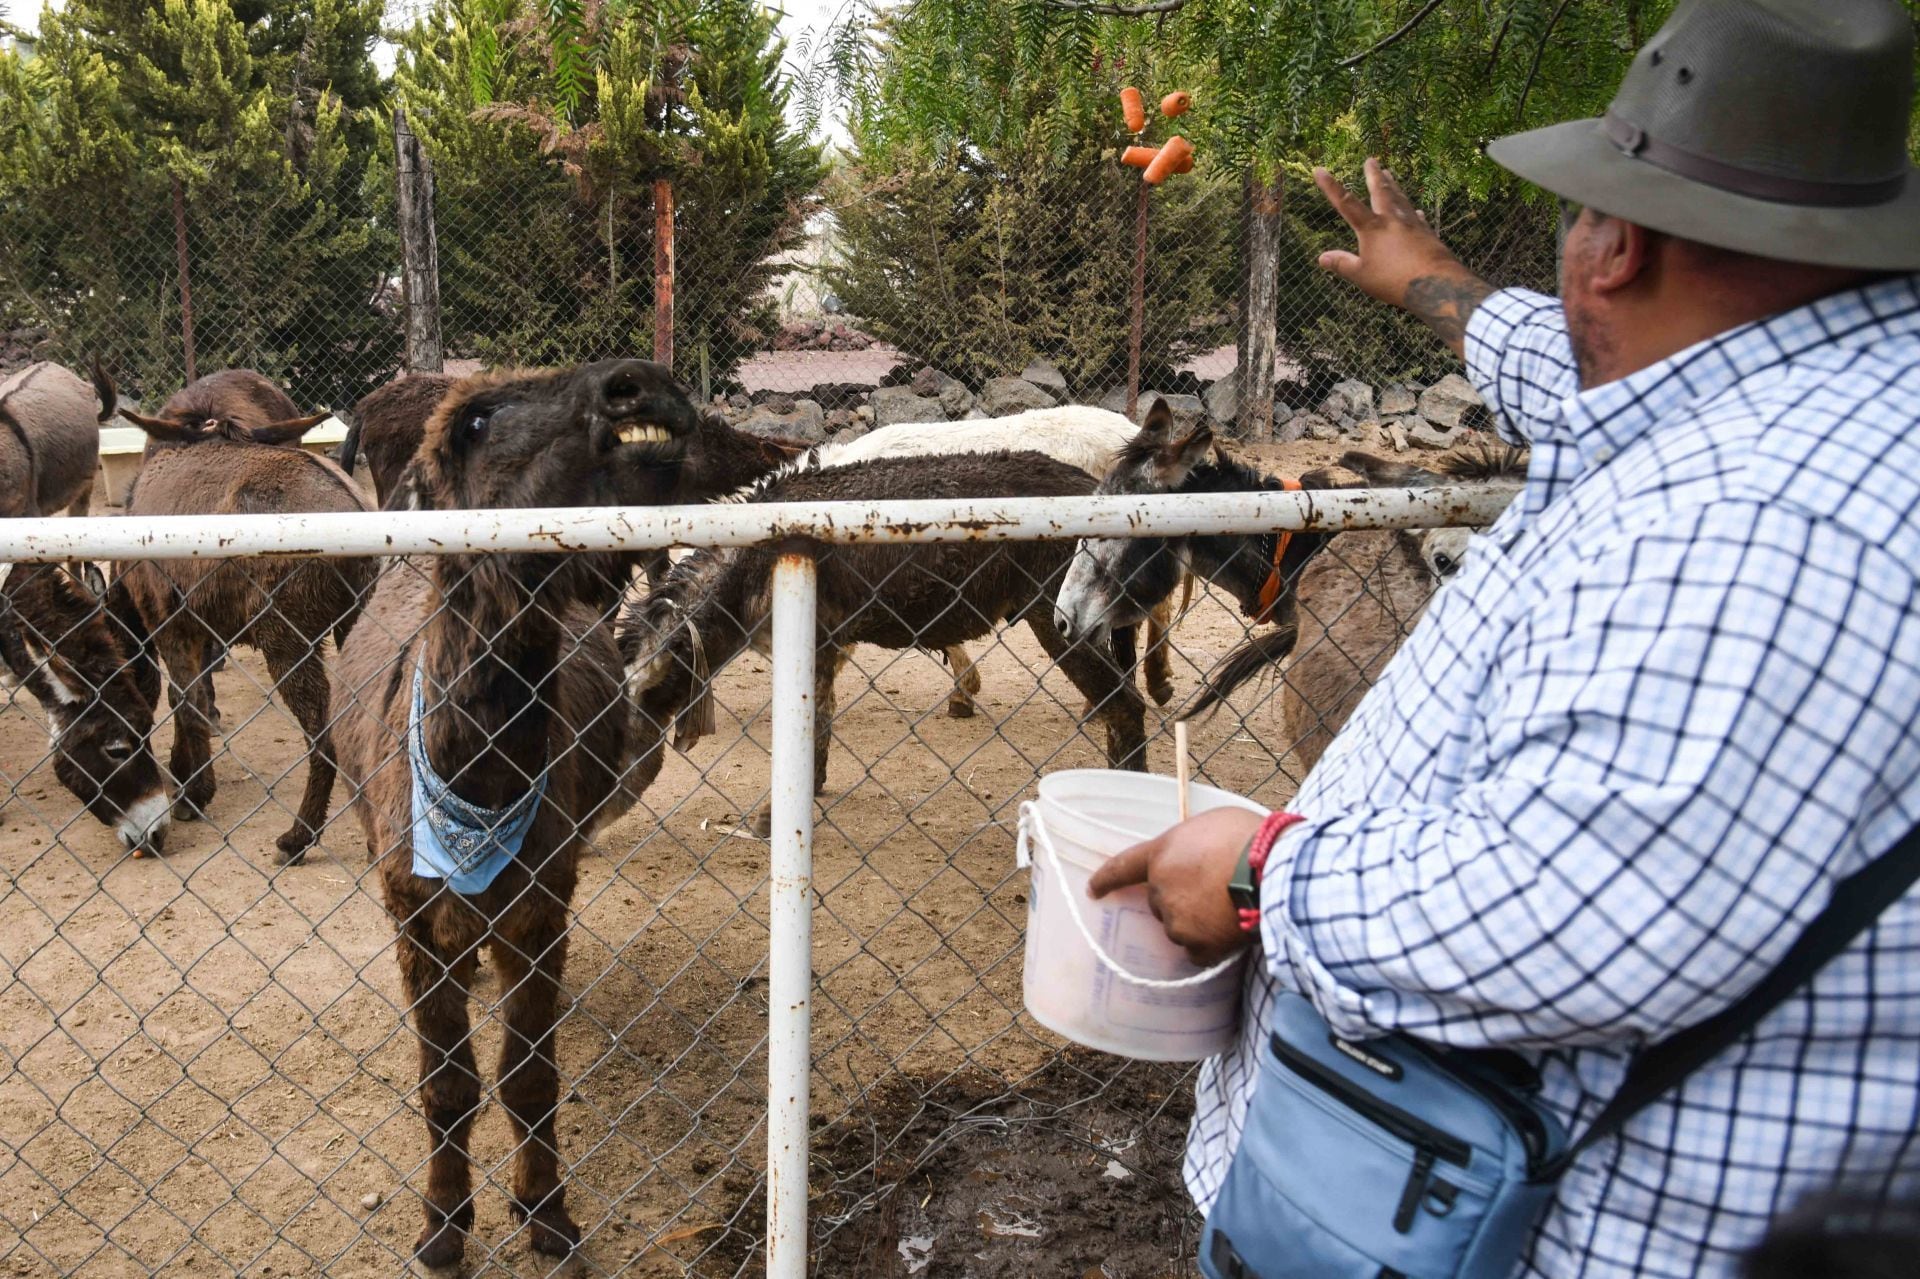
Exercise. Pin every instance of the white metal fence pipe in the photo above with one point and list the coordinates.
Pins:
(790, 922)
(744, 524)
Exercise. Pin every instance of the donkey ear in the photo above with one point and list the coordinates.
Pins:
(92, 578)
(287, 432)
(1159, 419)
(1177, 457)
(166, 428)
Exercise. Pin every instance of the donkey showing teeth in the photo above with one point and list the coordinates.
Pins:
(485, 736)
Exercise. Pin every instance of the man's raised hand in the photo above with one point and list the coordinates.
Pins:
(1399, 259)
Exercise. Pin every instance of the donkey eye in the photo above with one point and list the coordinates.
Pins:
(1445, 564)
(474, 428)
(117, 751)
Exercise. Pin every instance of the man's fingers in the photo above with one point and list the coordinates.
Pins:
(1342, 201)
(1383, 190)
(1342, 263)
(1125, 870)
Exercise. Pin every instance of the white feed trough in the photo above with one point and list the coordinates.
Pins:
(121, 447)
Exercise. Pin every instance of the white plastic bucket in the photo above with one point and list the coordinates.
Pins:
(1102, 973)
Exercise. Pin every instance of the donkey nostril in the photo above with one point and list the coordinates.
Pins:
(622, 387)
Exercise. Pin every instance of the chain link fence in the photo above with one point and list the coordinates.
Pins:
(813, 298)
(212, 1063)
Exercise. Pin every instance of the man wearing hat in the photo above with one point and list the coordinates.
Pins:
(1673, 696)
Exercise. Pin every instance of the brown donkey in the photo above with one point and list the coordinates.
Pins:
(284, 606)
(519, 714)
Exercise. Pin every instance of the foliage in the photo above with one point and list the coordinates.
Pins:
(544, 197)
(940, 82)
(978, 264)
(256, 110)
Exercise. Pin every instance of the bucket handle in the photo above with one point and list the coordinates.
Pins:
(1030, 823)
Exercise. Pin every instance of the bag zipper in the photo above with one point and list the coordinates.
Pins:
(1415, 1132)
(1520, 1117)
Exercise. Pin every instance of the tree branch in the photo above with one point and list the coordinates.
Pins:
(1118, 10)
(1540, 49)
(1393, 39)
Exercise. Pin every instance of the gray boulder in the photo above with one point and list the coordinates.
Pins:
(1005, 396)
(1047, 378)
(895, 404)
(806, 422)
(1452, 402)
(1396, 436)
(956, 399)
(1397, 401)
(1349, 399)
(1423, 434)
(929, 382)
(1288, 425)
(1114, 401)
(1223, 400)
(1186, 409)
(1315, 427)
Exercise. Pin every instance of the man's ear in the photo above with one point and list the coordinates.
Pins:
(1615, 254)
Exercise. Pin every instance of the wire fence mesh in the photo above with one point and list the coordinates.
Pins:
(212, 1054)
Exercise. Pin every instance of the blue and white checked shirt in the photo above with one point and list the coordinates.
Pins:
(1670, 700)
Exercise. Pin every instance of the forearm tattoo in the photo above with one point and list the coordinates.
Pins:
(1445, 302)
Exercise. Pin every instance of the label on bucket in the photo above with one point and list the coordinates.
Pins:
(1138, 941)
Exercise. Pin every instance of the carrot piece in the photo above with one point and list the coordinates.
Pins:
(1133, 108)
(1185, 163)
(1168, 161)
(1139, 157)
(1176, 103)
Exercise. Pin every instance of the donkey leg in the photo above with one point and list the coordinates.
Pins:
(529, 967)
(1159, 660)
(300, 681)
(182, 646)
(436, 987)
(1108, 689)
(966, 682)
(826, 666)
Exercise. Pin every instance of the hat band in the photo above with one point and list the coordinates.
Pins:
(1633, 140)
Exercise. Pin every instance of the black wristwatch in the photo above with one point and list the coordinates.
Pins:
(1244, 888)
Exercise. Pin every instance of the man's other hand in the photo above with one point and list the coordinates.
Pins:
(1399, 259)
(1186, 869)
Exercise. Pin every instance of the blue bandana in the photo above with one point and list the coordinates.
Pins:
(453, 840)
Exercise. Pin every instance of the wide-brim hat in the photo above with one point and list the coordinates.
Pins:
(1773, 127)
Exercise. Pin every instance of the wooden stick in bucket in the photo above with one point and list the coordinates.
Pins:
(1182, 765)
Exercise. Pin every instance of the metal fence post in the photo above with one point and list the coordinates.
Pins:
(790, 955)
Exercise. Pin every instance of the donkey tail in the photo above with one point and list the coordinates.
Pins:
(1257, 657)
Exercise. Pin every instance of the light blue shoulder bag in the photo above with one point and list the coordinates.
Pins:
(1389, 1158)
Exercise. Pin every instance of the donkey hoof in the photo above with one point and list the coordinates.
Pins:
(294, 844)
(440, 1250)
(550, 1229)
(958, 709)
(1160, 690)
(761, 827)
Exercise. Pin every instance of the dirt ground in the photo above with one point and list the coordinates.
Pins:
(208, 1071)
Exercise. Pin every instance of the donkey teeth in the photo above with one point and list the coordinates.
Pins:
(644, 435)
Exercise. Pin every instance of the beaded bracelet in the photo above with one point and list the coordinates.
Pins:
(1259, 848)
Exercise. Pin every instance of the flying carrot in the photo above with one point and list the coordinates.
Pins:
(1134, 108)
(1139, 157)
(1176, 150)
(1176, 103)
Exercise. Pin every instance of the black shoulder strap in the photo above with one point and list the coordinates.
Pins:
(1857, 901)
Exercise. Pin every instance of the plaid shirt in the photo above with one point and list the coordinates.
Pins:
(1672, 697)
